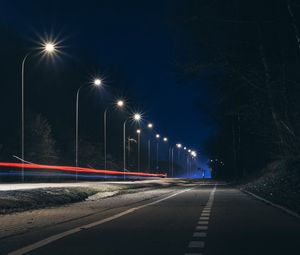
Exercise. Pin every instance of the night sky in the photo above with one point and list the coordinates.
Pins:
(138, 37)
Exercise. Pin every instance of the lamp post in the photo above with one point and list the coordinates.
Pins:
(119, 104)
(165, 139)
(139, 149)
(48, 48)
(186, 161)
(172, 161)
(193, 155)
(150, 126)
(97, 82)
(136, 117)
(157, 147)
(178, 145)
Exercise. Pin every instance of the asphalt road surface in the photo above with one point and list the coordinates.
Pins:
(187, 219)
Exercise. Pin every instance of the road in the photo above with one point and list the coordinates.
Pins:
(186, 219)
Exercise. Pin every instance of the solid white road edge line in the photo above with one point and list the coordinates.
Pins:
(272, 204)
(56, 237)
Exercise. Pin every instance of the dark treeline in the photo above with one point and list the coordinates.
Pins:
(249, 52)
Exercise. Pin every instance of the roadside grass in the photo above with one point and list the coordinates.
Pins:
(30, 199)
(22, 200)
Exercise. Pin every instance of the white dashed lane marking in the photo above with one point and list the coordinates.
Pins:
(199, 235)
(201, 228)
(203, 222)
(196, 244)
(204, 218)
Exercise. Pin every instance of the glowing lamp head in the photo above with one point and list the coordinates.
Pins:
(120, 103)
(184, 148)
(138, 131)
(157, 136)
(179, 145)
(49, 47)
(97, 82)
(137, 117)
(165, 139)
(150, 125)
(189, 151)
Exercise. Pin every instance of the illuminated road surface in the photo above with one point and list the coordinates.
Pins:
(186, 219)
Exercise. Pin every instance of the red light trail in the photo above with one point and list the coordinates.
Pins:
(78, 169)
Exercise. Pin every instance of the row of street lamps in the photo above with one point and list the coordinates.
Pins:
(49, 48)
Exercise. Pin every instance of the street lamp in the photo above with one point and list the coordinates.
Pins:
(139, 149)
(165, 139)
(157, 147)
(49, 48)
(178, 145)
(194, 154)
(150, 126)
(120, 104)
(187, 154)
(97, 82)
(137, 118)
